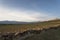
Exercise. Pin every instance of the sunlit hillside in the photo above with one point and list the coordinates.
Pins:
(31, 26)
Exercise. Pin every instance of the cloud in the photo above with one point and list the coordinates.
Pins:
(11, 14)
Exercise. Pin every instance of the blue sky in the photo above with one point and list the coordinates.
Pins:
(29, 10)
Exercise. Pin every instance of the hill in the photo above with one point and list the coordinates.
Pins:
(13, 22)
(29, 26)
(52, 33)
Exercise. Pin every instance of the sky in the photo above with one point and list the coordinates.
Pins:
(29, 10)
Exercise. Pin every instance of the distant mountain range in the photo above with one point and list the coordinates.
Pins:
(15, 22)
(19, 22)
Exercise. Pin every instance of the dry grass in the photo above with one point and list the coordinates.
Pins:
(24, 27)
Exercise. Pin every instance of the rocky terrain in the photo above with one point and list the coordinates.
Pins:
(33, 34)
(47, 30)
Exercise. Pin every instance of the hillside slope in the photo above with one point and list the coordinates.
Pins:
(52, 33)
(33, 26)
(46, 34)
